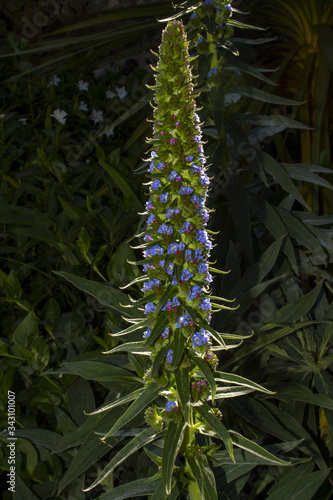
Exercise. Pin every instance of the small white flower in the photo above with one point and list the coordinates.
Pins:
(83, 106)
(96, 116)
(109, 131)
(60, 115)
(83, 85)
(54, 80)
(121, 91)
(98, 72)
(109, 94)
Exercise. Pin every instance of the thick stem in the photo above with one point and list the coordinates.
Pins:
(189, 438)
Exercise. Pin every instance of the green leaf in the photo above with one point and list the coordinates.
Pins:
(137, 326)
(26, 331)
(158, 328)
(296, 311)
(183, 389)
(172, 442)
(22, 491)
(138, 488)
(106, 295)
(300, 172)
(221, 432)
(261, 95)
(204, 476)
(238, 380)
(178, 346)
(148, 395)
(280, 175)
(291, 391)
(134, 347)
(246, 68)
(120, 401)
(248, 445)
(145, 437)
(159, 358)
(101, 372)
(302, 488)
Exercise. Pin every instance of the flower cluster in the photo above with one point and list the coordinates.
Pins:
(177, 245)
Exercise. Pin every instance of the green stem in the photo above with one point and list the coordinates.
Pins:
(189, 438)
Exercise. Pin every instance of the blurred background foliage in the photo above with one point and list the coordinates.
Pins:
(71, 191)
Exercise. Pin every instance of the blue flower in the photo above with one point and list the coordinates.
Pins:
(154, 154)
(197, 138)
(169, 356)
(194, 292)
(189, 158)
(165, 333)
(149, 205)
(150, 219)
(212, 72)
(161, 263)
(183, 320)
(188, 254)
(160, 165)
(156, 184)
(164, 229)
(209, 278)
(185, 190)
(174, 281)
(202, 267)
(186, 227)
(173, 175)
(200, 338)
(169, 268)
(175, 302)
(181, 246)
(171, 405)
(151, 167)
(193, 15)
(164, 197)
(173, 248)
(204, 179)
(156, 250)
(198, 254)
(186, 275)
(202, 236)
(195, 169)
(205, 305)
(147, 333)
(197, 118)
(150, 308)
(200, 39)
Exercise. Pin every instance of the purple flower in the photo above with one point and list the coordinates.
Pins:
(160, 165)
(172, 141)
(156, 185)
(171, 405)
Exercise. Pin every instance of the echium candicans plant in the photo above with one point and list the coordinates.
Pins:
(181, 384)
